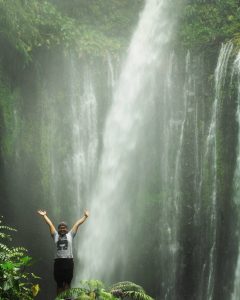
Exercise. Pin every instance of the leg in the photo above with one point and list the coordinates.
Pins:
(59, 290)
(58, 275)
(66, 286)
(68, 274)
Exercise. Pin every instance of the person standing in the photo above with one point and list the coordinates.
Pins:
(63, 263)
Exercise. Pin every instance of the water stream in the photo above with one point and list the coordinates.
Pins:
(111, 214)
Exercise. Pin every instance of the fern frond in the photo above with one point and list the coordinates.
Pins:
(126, 286)
(15, 255)
(5, 236)
(4, 227)
(19, 250)
(4, 248)
(136, 295)
(73, 292)
(91, 285)
(3, 257)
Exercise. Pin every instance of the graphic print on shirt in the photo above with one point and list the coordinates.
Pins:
(62, 244)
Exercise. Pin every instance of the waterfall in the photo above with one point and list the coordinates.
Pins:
(186, 187)
(172, 117)
(141, 146)
(236, 290)
(104, 249)
(111, 74)
(48, 149)
(84, 132)
(186, 92)
(211, 155)
(195, 186)
(70, 136)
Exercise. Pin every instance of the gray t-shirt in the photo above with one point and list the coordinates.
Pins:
(63, 244)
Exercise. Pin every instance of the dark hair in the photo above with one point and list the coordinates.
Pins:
(62, 224)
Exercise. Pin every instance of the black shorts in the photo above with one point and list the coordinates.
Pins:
(63, 271)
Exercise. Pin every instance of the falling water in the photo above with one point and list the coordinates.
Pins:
(236, 291)
(211, 155)
(172, 118)
(111, 74)
(187, 88)
(104, 251)
(70, 127)
(84, 132)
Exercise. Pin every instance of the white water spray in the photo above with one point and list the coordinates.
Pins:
(84, 132)
(236, 291)
(104, 249)
(211, 153)
(69, 134)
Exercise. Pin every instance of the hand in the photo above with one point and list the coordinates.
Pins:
(86, 213)
(42, 212)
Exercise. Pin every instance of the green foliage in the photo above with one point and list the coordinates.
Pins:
(15, 282)
(26, 25)
(208, 23)
(126, 286)
(89, 27)
(127, 289)
(88, 289)
(113, 18)
(94, 289)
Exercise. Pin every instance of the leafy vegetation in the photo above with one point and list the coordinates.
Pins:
(27, 25)
(94, 289)
(127, 289)
(208, 23)
(88, 26)
(113, 18)
(15, 282)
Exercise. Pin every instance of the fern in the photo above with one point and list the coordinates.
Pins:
(136, 295)
(4, 227)
(88, 289)
(80, 293)
(91, 285)
(94, 289)
(4, 248)
(15, 282)
(128, 289)
(126, 286)
(5, 236)
(73, 292)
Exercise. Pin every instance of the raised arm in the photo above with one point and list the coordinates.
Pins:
(80, 221)
(48, 221)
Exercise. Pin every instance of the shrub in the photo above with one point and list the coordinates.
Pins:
(15, 282)
(94, 289)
